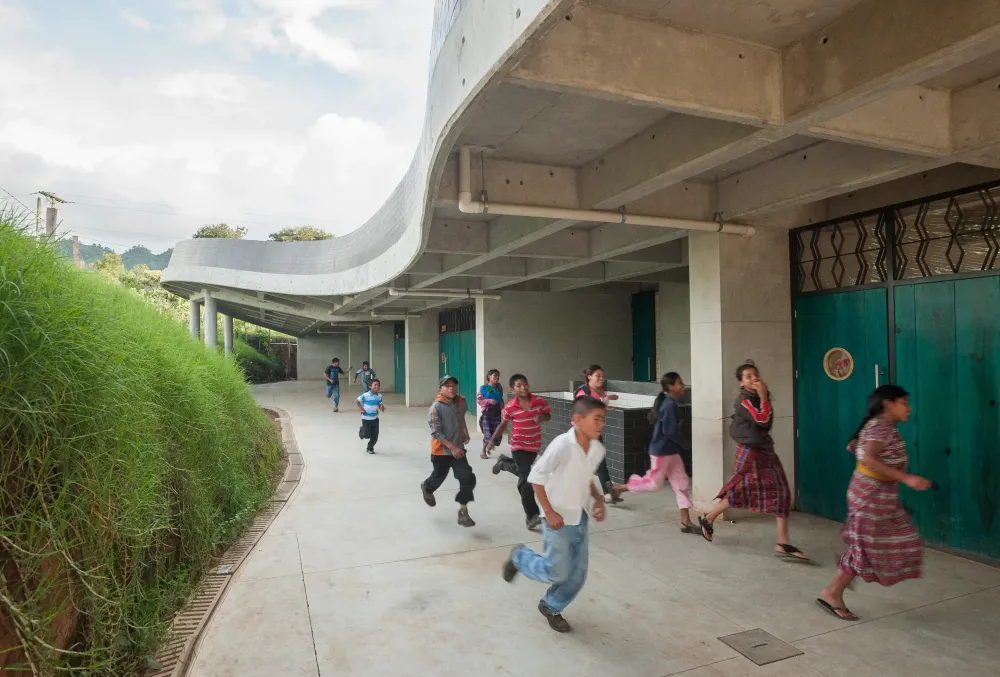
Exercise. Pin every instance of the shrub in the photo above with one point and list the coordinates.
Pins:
(129, 455)
(258, 367)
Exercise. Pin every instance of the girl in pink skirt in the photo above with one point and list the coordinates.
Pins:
(882, 544)
(665, 452)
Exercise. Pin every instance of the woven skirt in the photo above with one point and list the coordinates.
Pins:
(883, 546)
(758, 483)
(488, 423)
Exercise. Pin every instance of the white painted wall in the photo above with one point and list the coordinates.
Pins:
(421, 359)
(673, 331)
(315, 352)
(360, 350)
(551, 338)
(383, 358)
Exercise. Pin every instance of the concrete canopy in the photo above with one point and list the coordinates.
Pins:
(770, 113)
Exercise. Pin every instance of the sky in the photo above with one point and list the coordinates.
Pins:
(155, 117)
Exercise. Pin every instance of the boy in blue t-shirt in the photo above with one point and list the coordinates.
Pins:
(370, 404)
(366, 374)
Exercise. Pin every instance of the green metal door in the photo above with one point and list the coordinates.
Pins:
(399, 350)
(458, 358)
(829, 409)
(644, 336)
(948, 357)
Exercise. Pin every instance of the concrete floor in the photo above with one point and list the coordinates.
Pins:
(358, 577)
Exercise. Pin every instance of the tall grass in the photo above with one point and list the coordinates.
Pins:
(128, 455)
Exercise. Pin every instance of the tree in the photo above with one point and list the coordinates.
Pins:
(221, 230)
(300, 234)
(110, 266)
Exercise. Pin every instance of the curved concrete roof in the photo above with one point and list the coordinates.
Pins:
(471, 42)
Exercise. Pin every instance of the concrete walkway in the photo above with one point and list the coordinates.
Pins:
(358, 577)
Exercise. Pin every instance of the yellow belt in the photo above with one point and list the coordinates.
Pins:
(868, 472)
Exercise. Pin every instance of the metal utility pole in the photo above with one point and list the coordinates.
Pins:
(51, 213)
(38, 218)
(76, 252)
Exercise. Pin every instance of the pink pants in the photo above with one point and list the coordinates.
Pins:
(665, 467)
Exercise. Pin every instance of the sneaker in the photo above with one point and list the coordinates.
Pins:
(371, 451)
(533, 522)
(336, 409)
(428, 496)
(509, 570)
(498, 466)
(463, 518)
(555, 619)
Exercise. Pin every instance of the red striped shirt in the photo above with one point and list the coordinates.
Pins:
(525, 434)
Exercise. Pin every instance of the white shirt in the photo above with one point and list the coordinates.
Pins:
(567, 473)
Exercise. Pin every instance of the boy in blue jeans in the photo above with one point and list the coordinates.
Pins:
(333, 373)
(563, 481)
(366, 374)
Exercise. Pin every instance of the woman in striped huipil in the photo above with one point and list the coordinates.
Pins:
(490, 400)
(882, 544)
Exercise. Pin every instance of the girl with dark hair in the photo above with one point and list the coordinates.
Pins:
(882, 544)
(490, 401)
(758, 483)
(665, 451)
(594, 387)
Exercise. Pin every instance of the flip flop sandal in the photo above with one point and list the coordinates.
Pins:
(690, 529)
(706, 530)
(790, 552)
(837, 610)
(483, 455)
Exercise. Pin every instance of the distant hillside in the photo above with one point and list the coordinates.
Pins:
(134, 256)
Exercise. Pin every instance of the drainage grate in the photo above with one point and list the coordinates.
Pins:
(173, 656)
(761, 647)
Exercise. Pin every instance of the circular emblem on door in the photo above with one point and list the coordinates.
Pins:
(838, 364)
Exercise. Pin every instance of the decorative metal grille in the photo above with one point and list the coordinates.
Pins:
(457, 319)
(845, 253)
(948, 236)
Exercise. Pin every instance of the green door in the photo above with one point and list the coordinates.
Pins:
(644, 336)
(830, 410)
(948, 357)
(399, 350)
(458, 358)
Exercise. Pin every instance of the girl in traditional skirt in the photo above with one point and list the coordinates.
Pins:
(882, 544)
(758, 483)
(490, 401)
(594, 387)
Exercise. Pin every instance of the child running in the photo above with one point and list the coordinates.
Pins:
(333, 373)
(594, 387)
(882, 544)
(525, 413)
(449, 435)
(366, 374)
(490, 401)
(665, 451)
(758, 483)
(370, 404)
(563, 483)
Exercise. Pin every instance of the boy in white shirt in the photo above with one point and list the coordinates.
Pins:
(563, 481)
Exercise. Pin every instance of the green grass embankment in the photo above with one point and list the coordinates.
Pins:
(128, 456)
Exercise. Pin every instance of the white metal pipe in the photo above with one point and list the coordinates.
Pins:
(469, 206)
(429, 294)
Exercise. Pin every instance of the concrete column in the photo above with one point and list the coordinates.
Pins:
(194, 319)
(211, 321)
(422, 359)
(673, 331)
(383, 355)
(740, 309)
(227, 334)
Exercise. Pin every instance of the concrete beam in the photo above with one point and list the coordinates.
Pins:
(511, 182)
(975, 113)
(615, 271)
(360, 299)
(628, 59)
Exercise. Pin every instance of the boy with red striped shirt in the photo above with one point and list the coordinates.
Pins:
(525, 413)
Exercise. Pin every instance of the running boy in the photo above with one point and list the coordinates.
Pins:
(370, 404)
(525, 413)
(366, 373)
(449, 435)
(333, 373)
(563, 482)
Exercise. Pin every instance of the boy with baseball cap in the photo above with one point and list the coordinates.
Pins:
(449, 435)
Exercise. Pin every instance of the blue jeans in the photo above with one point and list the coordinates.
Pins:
(333, 390)
(563, 563)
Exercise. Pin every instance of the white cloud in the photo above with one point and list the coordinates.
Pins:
(219, 87)
(14, 18)
(136, 20)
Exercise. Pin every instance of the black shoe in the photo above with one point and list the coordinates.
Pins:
(509, 570)
(555, 619)
(533, 522)
(361, 432)
(428, 496)
(336, 409)
(498, 466)
(463, 518)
